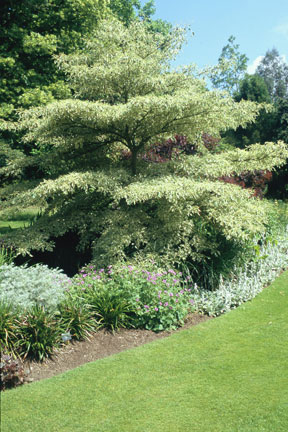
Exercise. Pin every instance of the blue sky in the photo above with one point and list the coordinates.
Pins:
(258, 25)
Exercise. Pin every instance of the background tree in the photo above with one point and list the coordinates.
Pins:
(253, 87)
(274, 70)
(31, 32)
(126, 97)
(231, 67)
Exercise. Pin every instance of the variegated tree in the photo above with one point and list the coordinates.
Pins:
(126, 97)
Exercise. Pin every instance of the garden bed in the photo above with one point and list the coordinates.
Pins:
(101, 344)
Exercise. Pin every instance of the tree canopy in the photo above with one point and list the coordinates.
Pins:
(274, 70)
(231, 67)
(32, 32)
(97, 182)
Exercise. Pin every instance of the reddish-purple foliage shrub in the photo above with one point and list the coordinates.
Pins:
(257, 181)
(12, 372)
(172, 148)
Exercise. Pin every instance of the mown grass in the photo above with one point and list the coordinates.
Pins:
(14, 218)
(228, 374)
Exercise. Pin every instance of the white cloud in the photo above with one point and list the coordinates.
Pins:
(251, 69)
(282, 29)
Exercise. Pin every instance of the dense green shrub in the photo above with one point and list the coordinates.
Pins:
(270, 258)
(136, 295)
(27, 286)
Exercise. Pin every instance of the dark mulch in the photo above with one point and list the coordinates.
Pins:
(100, 344)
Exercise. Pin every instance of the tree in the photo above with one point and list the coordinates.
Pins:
(231, 67)
(253, 88)
(274, 70)
(31, 32)
(126, 99)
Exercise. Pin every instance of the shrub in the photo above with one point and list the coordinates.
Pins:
(39, 333)
(132, 295)
(12, 372)
(27, 286)
(270, 259)
(257, 180)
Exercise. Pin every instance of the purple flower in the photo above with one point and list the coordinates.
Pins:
(137, 299)
(156, 309)
(171, 294)
(171, 271)
(85, 274)
(109, 267)
(101, 270)
(166, 304)
(175, 280)
(176, 301)
(191, 301)
(164, 281)
(160, 303)
(146, 306)
(170, 307)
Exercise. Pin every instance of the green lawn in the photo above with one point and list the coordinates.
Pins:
(17, 218)
(228, 374)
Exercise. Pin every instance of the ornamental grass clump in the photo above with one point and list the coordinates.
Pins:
(134, 296)
(39, 333)
(8, 327)
(76, 319)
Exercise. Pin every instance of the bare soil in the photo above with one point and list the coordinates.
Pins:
(99, 345)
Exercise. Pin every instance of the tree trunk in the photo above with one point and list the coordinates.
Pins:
(134, 161)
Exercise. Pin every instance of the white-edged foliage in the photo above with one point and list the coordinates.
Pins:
(246, 282)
